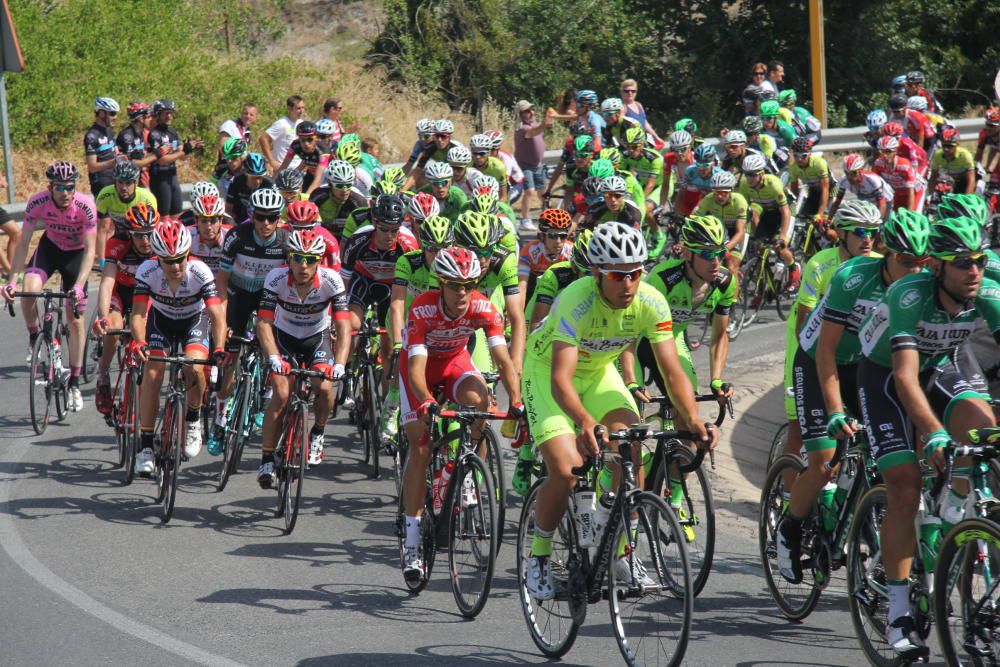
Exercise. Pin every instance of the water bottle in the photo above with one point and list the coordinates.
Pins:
(827, 509)
(844, 482)
(930, 535)
(440, 486)
(585, 511)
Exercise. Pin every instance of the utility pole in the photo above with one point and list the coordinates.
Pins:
(817, 50)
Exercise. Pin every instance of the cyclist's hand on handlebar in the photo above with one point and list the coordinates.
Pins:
(722, 390)
(424, 409)
(138, 350)
(219, 356)
(778, 242)
(101, 325)
(337, 372)
(708, 437)
(935, 443)
(638, 393)
(516, 410)
(586, 441)
(839, 426)
(278, 365)
(8, 291)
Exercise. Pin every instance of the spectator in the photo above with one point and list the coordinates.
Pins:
(529, 150)
(239, 128)
(758, 75)
(99, 144)
(132, 140)
(166, 145)
(13, 231)
(565, 110)
(276, 140)
(635, 110)
(332, 109)
(775, 75)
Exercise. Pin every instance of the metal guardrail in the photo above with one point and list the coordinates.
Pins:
(835, 140)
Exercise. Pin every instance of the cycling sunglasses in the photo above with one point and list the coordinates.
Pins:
(64, 187)
(965, 262)
(273, 217)
(557, 235)
(712, 255)
(614, 195)
(862, 232)
(583, 156)
(343, 186)
(482, 252)
(387, 229)
(754, 174)
(480, 152)
(457, 285)
(621, 276)
(908, 261)
(210, 219)
(141, 235)
(441, 135)
(440, 184)
(173, 261)
(704, 165)
(425, 137)
(308, 260)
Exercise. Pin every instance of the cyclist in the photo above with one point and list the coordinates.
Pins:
(99, 144)
(616, 123)
(696, 181)
(240, 193)
(913, 121)
(915, 378)
(174, 300)
(864, 184)
(68, 220)
(302, 215)
(464, 175)
(553, 245)
(423, 206)
(208, 233)
(989, 138)
(306, 148)
(570, 382)
(434, 356)
(915, 81)
(166, 145)
(234, 153)
(954, 161)
(436, 152)
(616, 205)
(907, 149)
(481, 146)
(450, 198)
(908, 189)
(782, 133)
(732, 209)
(826, 364)
(337, 199)
(514, 175)
(813, 172)
(674, 163)
(758, 141)
(294, 329)
(114, 301)
(425, 139)
(114, 201)
(646, 165)
(773, 221)
(289, 182)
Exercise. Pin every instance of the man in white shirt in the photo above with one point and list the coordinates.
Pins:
(276, 139)
(239, 127)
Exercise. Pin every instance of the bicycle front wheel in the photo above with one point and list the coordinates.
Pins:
(93, 346)
(173, 449)
(492, 455)
(696, 515)
(237, 423)
(130, 423)
(374, 421)
(41, 378)
(472, 536)
(296, 453)
(751, 292)
(650, 593)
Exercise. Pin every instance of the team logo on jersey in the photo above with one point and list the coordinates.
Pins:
(909, 298)
(853, 282)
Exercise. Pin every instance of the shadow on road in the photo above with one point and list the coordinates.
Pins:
(439, 654)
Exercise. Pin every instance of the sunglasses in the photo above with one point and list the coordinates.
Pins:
(112, 113)
(64, 187)
(910, 261)
(583, 156)
(141, 235)
(629, 90)
(949, 145)
(862, 232)
(557, 235)
(759, 73)
(386, 229)
(173, 261)
(480, 152)
(440, 184)
(622, 276)
(308, 260)
(801, 156)
(712, 255)
(342, 186)
(425, 137)
(439, 135)
(614, 195)
(754, 174)
(965, 262)
(433, 247)
(457, 286)
(267, 218)
(311, 137)
(704, 165)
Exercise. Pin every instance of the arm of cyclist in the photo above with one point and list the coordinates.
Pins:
(906, 375)
(397, 318)
(824, 196)
(342, 345)
(518, 328)
(564, 358)
(222, 284)
(104, 293)
(217, 315)
(736, 240)
(268, 343)
(718, 353)
(137, 324)
(628, 364)
(20, 256)
(786, 223)
(681, 392)
(508, 373)
(830, 334)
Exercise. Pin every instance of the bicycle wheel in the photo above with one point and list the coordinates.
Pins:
(550, 622)
(130, 423)
(778, 445)
(374, 420)
(41, 378)
(782, 300)
(93, 347)
(173, 450)
(398, 451)
(492, 456)
(651, 618)
(237, 424)
(867, 594)
(966, 596)
(297, 444)
(795, 601)
(119, 407)
(361, 415)
(696, 515)
(751, 292)
(472, 535)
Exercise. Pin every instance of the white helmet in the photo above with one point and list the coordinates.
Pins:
(735, 137)
(456, 263)
(266, 200)
(857, 213)
(438, 171)
(306, 242)
(106, 104)
(200, 188)
(210, 206)
(340, 172)
(680, 139)
(917, 103)
(723, 180)
(486, 181)
(616, 243)
(425, 126)
(612, 105)
(481, 142)
(444, 126)
(459, 156)
(614, 184)
(754, 162)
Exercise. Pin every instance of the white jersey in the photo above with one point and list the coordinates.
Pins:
(298, 317)
(872, 187)
(210, 254)
(197, 289)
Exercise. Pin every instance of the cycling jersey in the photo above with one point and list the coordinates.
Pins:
(223, 178)
(238, 195)
(648, 165)
(629, 214)
(127, 260)
(733, 211)
(669, 278)
(872, 187)
(412, 273)
(65, 228)
(110, 205)
(555, 279)
(431, 333)
(912, 120)
(769, 194)
(334, 214)
(915, 154)
(453, 204)
(815, 171)
(898, 174)
(693, 181)
(100, 142)
(958, 167)
(196, 290)
(534, 259)
(132, 143)
(467, 184)
(303, 317)
(361, 256)
(514, 174)
(163, 140)
(432, 152)
(210, 254)
(501, 272)
(248, 259)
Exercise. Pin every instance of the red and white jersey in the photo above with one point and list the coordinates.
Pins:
(514, 173)
(915, 154)
(533, 259)
(871, 188)
(898, 173)
(127, 261)
(303, 317)
(210, 254)
(361, 256)
(431, 333)
(197, 290)
(912, 120)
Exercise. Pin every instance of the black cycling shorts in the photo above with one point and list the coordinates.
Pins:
(167, 336)
(49, 259)
(240, 307)
(768, 225)
(316, 351)
(810, 408)
(365, 292)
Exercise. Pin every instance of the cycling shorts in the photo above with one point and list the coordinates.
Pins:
(649, 371)
(315, 351)
(165, 335)
(788, 383)
(49, 259)
(121, 299)
(446, 374)
(601, 392)
(809, 403)
(768, 225)
(240, 307)
(810, 206)
(365, 292)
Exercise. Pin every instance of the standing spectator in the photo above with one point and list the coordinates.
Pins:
(635, 110)
(133, 139)
(758, 76)
(238, 128)
(332, 109)
(275, 141)
(13, 231)
(99, 144)
(775, 76)
(165, 144)
(529, 149)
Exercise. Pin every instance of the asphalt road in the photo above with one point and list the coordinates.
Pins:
(91, 577)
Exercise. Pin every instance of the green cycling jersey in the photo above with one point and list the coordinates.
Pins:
(669, 277)
(413, 274)
(769, 195)
(815, 171)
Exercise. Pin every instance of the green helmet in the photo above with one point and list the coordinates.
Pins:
(688, 125)
(906, 232)
(769, 109)
(396, 175)
(703, 232)
(970, 206)
(438, 231)
(350, 138)
(233, 148)
(602, 168)
(497, 229)
(635, 135)
(580, 257)
(787, 97)
(349, 152)
(583, 144)
(384, 187)
(484, 203)
(955, 236)
(611, 154)
(473, 231)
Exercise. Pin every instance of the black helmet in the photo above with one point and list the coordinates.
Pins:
(389, 209)
(898, 101)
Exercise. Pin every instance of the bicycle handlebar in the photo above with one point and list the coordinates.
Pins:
(118, 332)
(470, 414)
(642, 432)
(44, 294)
(242, 340)
(181, 361)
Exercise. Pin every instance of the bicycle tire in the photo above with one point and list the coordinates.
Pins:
(131, 424)
(494, 463)
(795, 601)
(374, 422)
(780, 296)
(399, 460)
(472, 515)
(40, 379)
(237, 423)
(172, 458)
(118, 415)
(749, 290)
(164, 434)
(296, 468)
(778, 443)
(634, 627)
(361, 413)
(550, 622)
(93, 346)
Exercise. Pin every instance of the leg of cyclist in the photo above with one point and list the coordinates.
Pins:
(149, 406)
(195, 380)
(77, 337)
(33, 282)
(103, 381)
(270, 431)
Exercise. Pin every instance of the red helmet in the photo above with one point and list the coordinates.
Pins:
(208, 206)
(302, 214)
(456, 264)
(992, 116)
(854, 162)
(423, 205)
(171, 239)
(137, 110)
(141, 218)
(950, 135)
(892, 129)
(306, 242)
(555, 218)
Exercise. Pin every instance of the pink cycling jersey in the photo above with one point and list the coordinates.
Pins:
(65, 228)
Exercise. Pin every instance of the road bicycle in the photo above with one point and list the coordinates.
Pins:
(245, 403)
(48, 377)
(762, 281)
(124, 415)
(365, 406)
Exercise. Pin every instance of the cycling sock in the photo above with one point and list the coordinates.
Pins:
(899, 598)
(541, 543)
(676, 492)
(75, 371)
(33, 333)
(192, 415)
(266, 457)
(412, 540)
(74, 380)
(317, 430)
(221, 408)
(145, 439)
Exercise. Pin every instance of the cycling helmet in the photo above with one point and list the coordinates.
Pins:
(289, 180)
(325, 127)
(899, 83)
(480, 142)
(484, 203)
(459, 156)
(351, 138)
(916, 76)
(787, 97)
(702, 232)
(635, 135)
(306, 241)
(302, 214)
(583, 144)
(898, 102)
(473, 230)
(680, 140)
(389, 210)
(137, 110)
(106, 104)
(992, 116)
(751, 94)
(592, 188)
(395, 174)
(424, 206)
(578, 127)
(906, 232)
(438, 171)
(63, 172)
(456, 264)
(233, 148)
(208, 206)
(487, 184)
(383, 187)
(705, 154)
(437, 231)
(580, 256)
(753, 163)
(142, 218)
(950, 136)
(126, 171)
(306, 128)
(425, 126)
(171, 239)
(586, 97)
(614, 184)
(955, 236)
(853, 162)
(555, 218)
(339, 172)
(802, 145)
(611, 105)
(752, 125)
(159, 106)
(200, 188)
(916, 102)
(688, 125)
(723, 180)
(893, 129)
(611, 153)
(857, 213)
(497, 229)
(876, 120)
(255, 164)
(444, 126)
(736, 136)
(601, 168)
(888, 143)
(617, 243)
(496, 138)
(266, 201)
(349, 152)
(970, 206)
(768, 95)
(769, 109)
